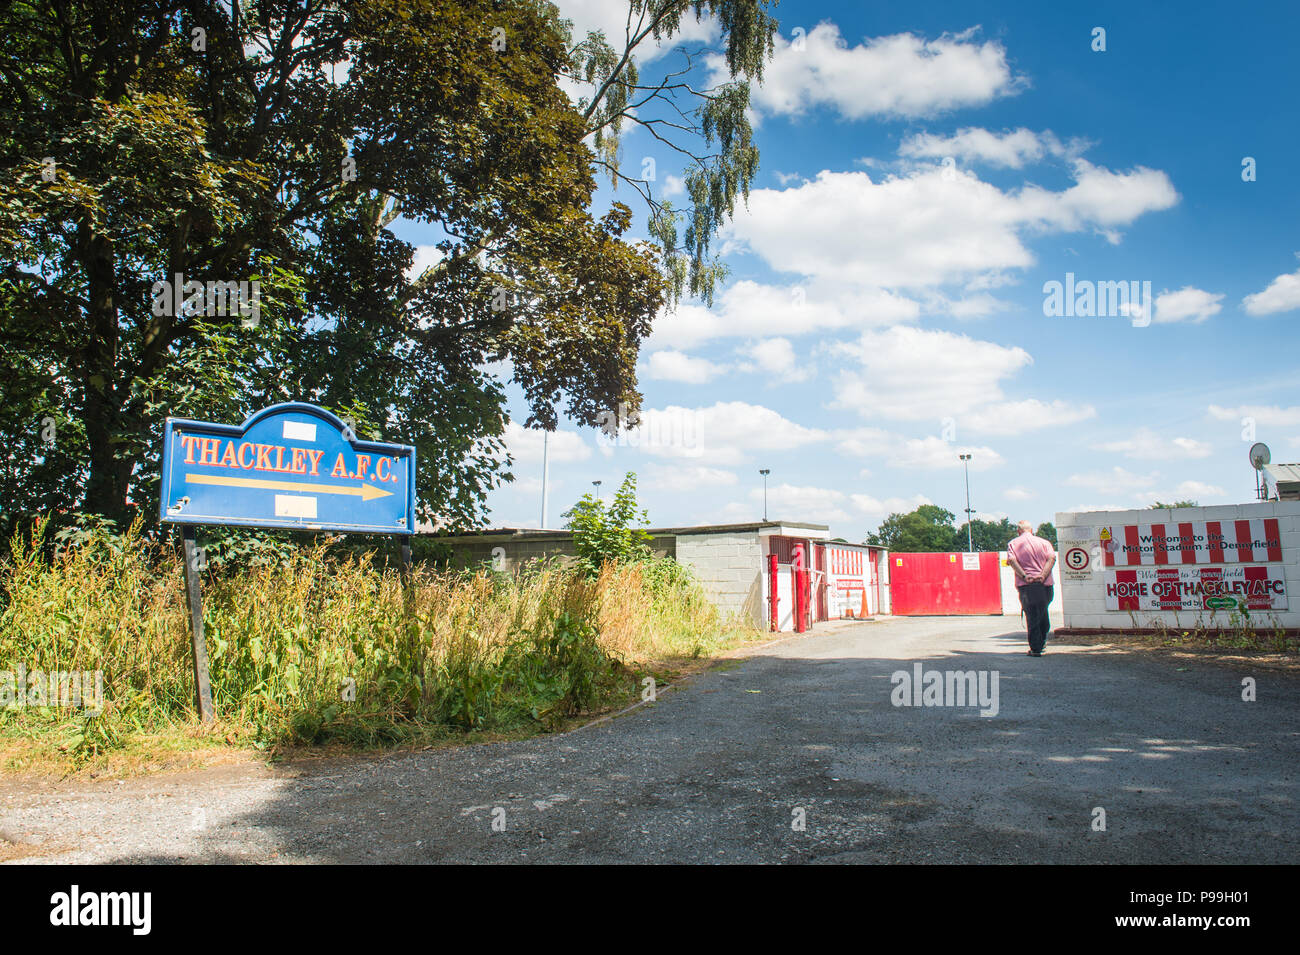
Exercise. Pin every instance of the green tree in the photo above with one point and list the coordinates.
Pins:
(1160, 504)
(987, 535)
(706, 126)
(282, 142)
(603, 533)
(925, 530)
(1047, 531)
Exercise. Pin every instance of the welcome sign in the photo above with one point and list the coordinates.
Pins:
(1231, 587)
(1192, 542)
(291, 465)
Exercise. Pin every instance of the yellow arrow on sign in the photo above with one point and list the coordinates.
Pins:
(367, 492)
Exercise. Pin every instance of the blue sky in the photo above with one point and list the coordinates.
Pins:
(926, 169)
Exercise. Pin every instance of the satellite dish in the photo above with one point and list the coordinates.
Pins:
(1259, 455)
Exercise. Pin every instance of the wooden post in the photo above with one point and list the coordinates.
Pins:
(194, 597)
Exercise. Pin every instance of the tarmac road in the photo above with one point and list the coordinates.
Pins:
(723, 769)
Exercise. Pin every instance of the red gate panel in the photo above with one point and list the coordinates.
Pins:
(943, 584)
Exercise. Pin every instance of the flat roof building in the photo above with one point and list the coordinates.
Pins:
(734, 563)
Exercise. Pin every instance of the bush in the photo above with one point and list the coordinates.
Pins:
(319, 646)
(603, 535)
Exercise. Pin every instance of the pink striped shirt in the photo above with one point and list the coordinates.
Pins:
(1032, 553)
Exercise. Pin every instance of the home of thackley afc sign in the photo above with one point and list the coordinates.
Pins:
(292, 466)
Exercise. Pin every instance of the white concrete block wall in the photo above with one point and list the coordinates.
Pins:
(729, 567)
(1084, 601)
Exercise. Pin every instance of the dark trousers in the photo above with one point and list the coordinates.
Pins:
(1035, 597)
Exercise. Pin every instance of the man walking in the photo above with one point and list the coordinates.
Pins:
(1032, 558)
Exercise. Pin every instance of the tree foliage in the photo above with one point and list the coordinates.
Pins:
(925, 530)
(929, 529)
(986, 535)
(706, 126)
(284, 143)
(610, 533)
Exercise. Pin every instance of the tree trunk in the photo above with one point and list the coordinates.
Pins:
(106, 487)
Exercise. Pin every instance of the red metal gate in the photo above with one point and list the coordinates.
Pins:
(943, 584)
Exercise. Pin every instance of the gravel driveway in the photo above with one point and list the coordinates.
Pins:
(728, 767)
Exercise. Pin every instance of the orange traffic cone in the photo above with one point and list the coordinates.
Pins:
(864, 601)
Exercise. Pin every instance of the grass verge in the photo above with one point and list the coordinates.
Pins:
(321, 652)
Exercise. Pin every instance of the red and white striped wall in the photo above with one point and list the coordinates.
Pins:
(1193, 567)
(1191, 542)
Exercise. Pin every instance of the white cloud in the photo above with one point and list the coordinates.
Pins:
(726, 433)
(687, 477)
(933, 453)
(1099, 198)
(1018, 494)
(789, 502)
(927, 229)
(915, 373)
(1115, 481)
(674, 186)
(913, 231)
(899, 75)
(749, 309)
(1010, 149)
(970, 306)
(1145, 444)
(1188, 304)
(424, 256)
(1192, 490)
(875, 507)
(1282, 295)
(1264, 416)
(612, 20)
(525, 445)
(775, 357)
(930, 452)
(1019, 417)
(671, 365)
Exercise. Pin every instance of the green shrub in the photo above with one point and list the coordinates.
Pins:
(319, 645)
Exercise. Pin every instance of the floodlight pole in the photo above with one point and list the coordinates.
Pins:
(546, 467)
(765, 472)
(965, 462)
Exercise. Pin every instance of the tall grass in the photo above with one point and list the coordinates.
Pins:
(322, 646)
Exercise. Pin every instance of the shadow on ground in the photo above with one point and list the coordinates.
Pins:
(799, 755)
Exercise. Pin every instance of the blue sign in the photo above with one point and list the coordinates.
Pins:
(291, 465)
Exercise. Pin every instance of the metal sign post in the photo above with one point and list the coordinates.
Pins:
(292, 466)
